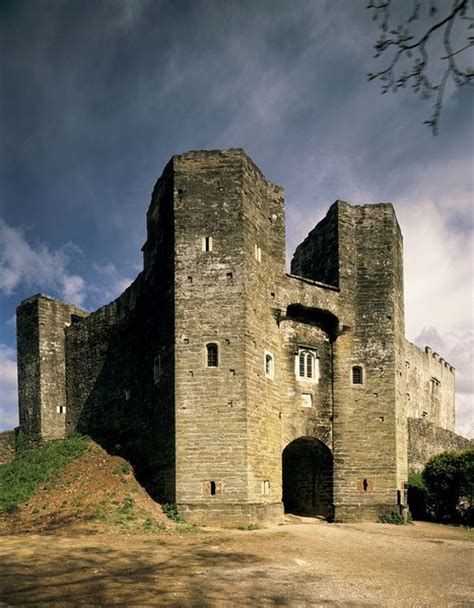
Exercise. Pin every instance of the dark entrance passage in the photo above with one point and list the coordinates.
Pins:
(308, 478)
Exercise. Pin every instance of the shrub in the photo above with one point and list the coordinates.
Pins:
(449, 481)
(171, 511)
(417, 496)
(394, 518)
(20, 478)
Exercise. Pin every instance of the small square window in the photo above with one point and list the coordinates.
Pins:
(61, 409)
(306, 400)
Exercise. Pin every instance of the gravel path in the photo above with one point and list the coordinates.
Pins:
(305, 564)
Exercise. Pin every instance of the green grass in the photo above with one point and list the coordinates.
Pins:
(31, 468)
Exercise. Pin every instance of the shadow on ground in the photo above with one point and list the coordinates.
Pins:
(154, 571)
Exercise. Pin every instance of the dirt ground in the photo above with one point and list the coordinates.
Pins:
(297, 564)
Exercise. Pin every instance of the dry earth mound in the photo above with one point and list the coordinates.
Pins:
(94, 492)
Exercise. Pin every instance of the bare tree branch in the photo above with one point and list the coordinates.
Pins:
(414, 49)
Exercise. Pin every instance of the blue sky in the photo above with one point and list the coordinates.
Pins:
(97, 95)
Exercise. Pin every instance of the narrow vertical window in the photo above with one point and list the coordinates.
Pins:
(357, 375)
(266, 487)
(212, 355)
(302, 364)
(213, 488)
(156, 369)
(207, 243)
(258, 253)
(269, 365)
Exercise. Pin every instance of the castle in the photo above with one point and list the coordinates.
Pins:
(236, 389)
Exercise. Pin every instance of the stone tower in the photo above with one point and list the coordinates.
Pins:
(237, 390)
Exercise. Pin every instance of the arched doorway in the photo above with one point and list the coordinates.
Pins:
(308, 478)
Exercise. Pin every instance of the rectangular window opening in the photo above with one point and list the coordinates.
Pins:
(269, 365)
(61, 409)
(212, 354)
(307, 365)
(156, 369)
(357, 375)
(207, 243)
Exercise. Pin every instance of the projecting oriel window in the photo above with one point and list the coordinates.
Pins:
(307, 365)
(212, 355)
(357, 375)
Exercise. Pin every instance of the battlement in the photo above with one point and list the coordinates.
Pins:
(434, 355)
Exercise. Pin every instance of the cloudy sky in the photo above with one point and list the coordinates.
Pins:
(96, 95)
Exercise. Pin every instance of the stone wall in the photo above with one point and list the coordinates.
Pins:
(429, 387)
(211, 422)
(41, 325)
(7, 446)
(120, 361)
(426, 440)
(317, 257)
(365, 436)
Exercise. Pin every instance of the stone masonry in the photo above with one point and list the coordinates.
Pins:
(238, 390)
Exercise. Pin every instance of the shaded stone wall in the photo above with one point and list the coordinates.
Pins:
(317, 257)
(426, 440)
(120, 362)
(265, 230)
(7, 446)
(429, 387)
(41, 325)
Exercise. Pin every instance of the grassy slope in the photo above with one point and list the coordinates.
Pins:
(20, 478)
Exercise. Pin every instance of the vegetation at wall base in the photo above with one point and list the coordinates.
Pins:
(33, 467)
(171, 511)
(417, 496)
(449, 482)
(394, 518)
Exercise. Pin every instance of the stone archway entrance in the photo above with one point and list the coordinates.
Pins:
(308, 478)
